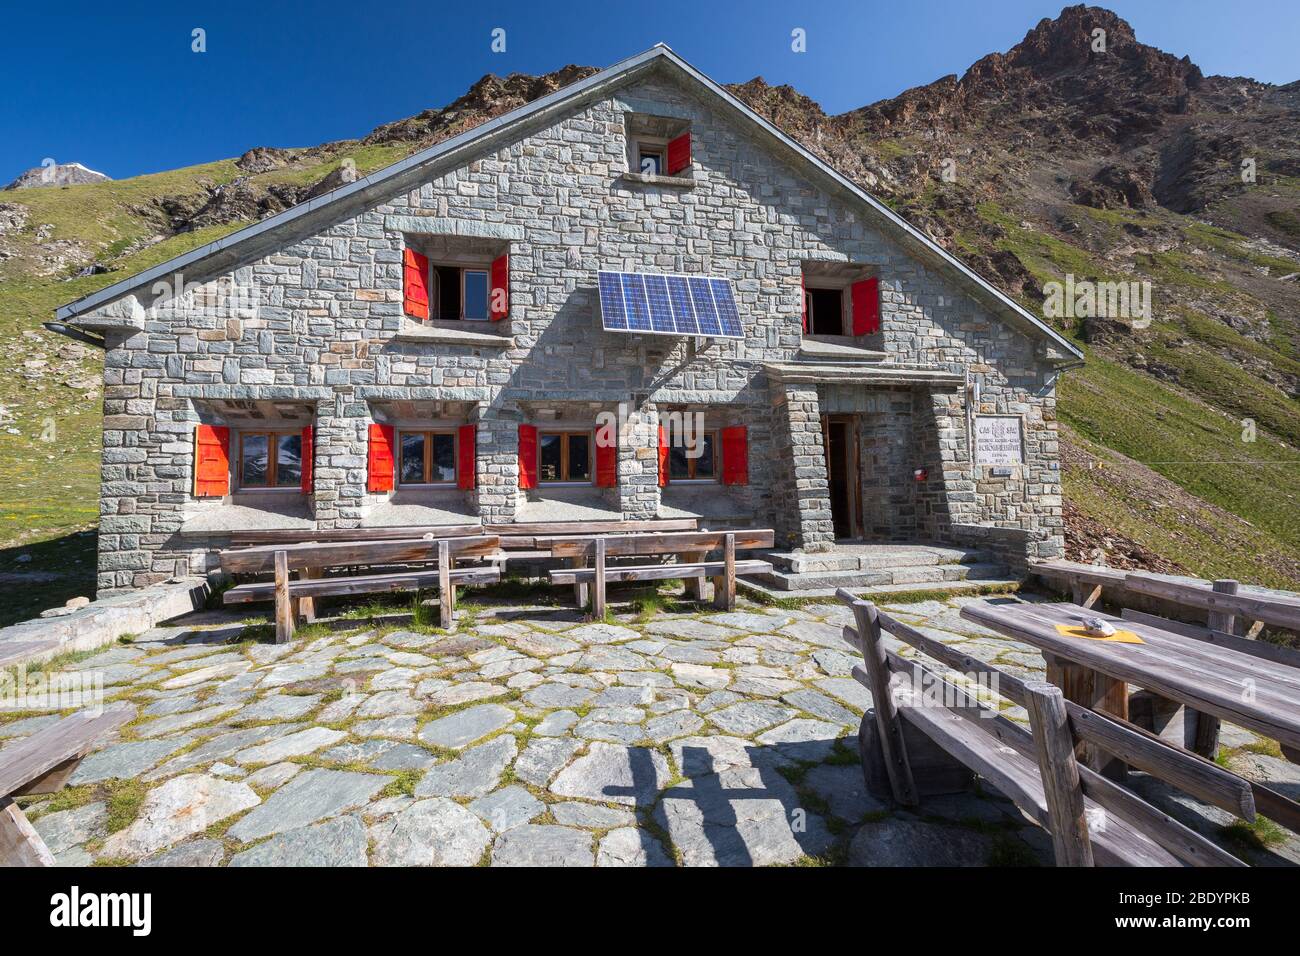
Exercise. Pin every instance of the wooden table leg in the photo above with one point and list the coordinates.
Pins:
(1096, 691)
(307, 605)
(284, 622)
(694, 587)
(724, 587)
(579, 587)
(598, 585)
(20, 844)
(1202, 730)
(446, 599)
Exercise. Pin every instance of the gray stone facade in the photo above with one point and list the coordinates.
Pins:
(327, 340)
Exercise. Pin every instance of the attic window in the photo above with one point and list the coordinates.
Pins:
(658, 146)
(650, 159)
(826, 311)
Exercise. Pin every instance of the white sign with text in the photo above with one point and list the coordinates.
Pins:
(998, 440)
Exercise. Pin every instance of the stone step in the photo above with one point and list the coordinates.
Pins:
(876, 557)
(881, 592)
(857, 578)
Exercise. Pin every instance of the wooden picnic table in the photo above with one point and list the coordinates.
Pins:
(1252, 692)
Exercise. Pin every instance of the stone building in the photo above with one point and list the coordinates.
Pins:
(430, 345)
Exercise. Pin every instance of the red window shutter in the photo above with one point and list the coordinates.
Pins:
(380, 460)
(466, 455)
(415, 284)
(679, 153)
(663, 457)
(866, 306)
(211, 461)
(499, 303)
(803, 296)
(606, 464)
(527, 456)
(308, 460)
(735, 455)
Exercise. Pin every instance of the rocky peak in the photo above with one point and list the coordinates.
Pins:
(57, 174)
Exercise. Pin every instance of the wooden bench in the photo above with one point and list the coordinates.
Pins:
(926, 735)
(294, 598)
(692, 546)
(42, 763)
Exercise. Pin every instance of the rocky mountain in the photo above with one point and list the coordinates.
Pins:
(57, 174)
(1079, 153)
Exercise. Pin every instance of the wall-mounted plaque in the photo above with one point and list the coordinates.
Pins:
(998, 440)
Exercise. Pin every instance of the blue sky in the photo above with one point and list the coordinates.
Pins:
(117, 87)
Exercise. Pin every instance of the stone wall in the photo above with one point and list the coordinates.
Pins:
(328, 328)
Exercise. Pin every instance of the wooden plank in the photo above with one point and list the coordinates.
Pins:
(1276, 653)
(1070, 571)
(1255, 605)
(1146, 751)
(20, 844)
(284, 616)
(593, 527)
(656, 572)
(240, 539)
(598, 582)
(34, 757)
(1054, 746)
(361, 584)
(445, 592)
(347, 553)
(724, 586)
(1173, 836)
(644, 544)
(889, 729)
(1165, 664)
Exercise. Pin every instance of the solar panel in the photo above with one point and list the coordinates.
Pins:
(668, 304)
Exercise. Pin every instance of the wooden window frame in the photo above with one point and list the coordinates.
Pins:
(272, 460)
(434, 284)
(714, 435)
(428, 434)
(655, 148)
(564, 478)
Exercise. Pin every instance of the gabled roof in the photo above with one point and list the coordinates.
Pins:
(614, 75)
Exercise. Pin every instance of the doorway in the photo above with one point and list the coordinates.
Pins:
(840, 439)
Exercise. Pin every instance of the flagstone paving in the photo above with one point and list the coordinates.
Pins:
(528, 738)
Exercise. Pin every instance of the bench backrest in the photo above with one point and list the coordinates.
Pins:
(334, 554)
(243, 539)
(686, 542)
(1187, 771)
(1278, 610)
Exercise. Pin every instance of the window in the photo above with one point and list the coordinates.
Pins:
(825, 311)
(427, 458)
(702, 467)
(564, 456)
(270, 460)
(650, 159)
(457, 293)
